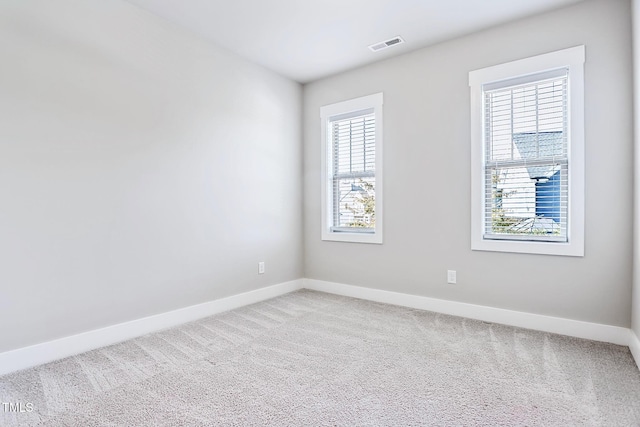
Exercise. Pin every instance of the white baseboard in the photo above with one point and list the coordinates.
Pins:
(38, 354)
(557, 325)
(634, 346)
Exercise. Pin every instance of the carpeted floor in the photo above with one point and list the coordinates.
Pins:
(315, 359)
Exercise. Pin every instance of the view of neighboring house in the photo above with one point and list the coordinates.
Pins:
(532, 195)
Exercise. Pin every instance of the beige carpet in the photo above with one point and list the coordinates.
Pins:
(314, 359)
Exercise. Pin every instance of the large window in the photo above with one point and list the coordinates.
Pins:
(528, 155)
(352, 170)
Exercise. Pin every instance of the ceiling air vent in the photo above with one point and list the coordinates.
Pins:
(387, 43)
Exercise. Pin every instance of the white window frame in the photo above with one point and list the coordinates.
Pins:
(327, 113)
(573, 59)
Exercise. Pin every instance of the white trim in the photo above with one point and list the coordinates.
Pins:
(574, 59)
(634, 346)
(328, 112)
(556, 325)
(38, 354)
(526, 66)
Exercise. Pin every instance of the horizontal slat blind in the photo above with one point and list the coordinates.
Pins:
(353, 173)
(526, 163)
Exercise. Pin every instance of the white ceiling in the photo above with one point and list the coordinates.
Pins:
(309, 39)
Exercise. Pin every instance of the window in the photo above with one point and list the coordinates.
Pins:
(352, 170)
(527, 136)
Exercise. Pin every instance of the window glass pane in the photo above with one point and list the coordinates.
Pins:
(526, 122)
(518, 204)
(526, 179)
(354, 145)
(355, 203)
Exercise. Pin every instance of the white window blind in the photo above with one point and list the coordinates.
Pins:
(353, 145)
(526, 165)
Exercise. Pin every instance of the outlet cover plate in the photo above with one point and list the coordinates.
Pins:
(451, 276)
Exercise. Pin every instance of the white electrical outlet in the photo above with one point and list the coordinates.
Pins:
(451, 276)
(261, 267)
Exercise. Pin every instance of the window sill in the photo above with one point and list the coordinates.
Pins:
(541, 248)
(375, 238)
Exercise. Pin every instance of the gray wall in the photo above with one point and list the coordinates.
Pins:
(635, 301)
(141, 169)
(427, 173)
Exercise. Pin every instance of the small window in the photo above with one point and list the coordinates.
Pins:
(528, 155)
(352, 170)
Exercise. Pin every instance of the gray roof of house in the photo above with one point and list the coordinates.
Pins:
(538, 145)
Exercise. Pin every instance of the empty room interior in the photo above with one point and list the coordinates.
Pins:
(280, 212)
